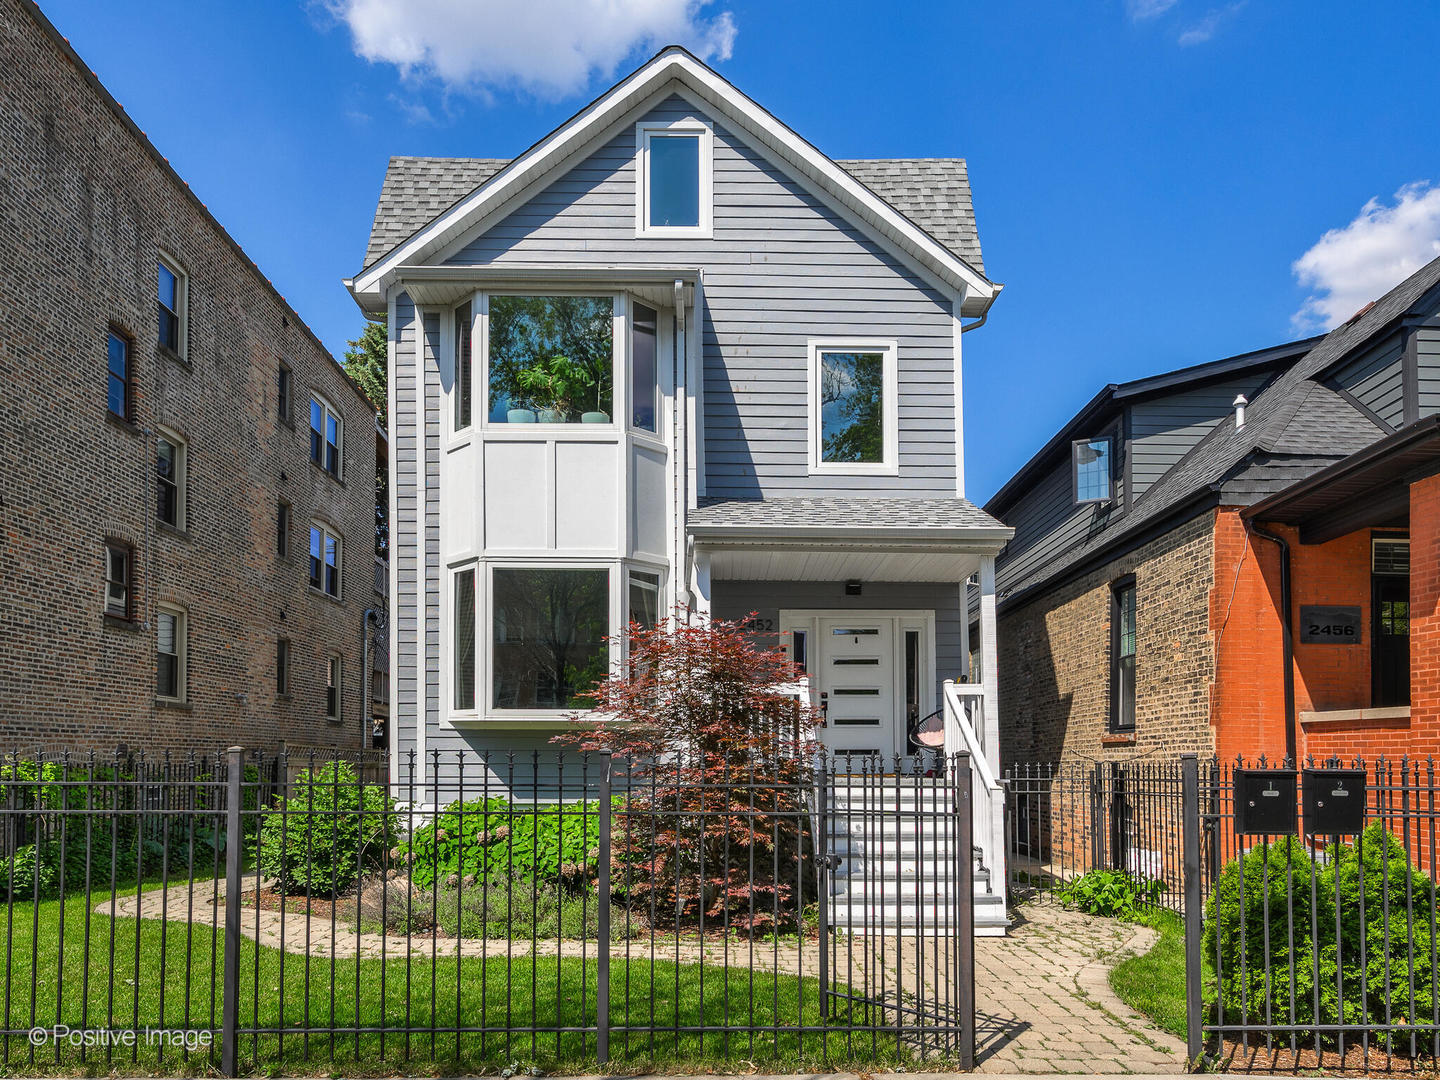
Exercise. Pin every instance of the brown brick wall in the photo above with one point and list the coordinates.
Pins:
(1054, 661)
(85, 210)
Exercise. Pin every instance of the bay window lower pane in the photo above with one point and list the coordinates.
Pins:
(644, 599)
(548, 644)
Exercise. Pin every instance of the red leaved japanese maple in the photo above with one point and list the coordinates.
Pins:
(711, 750)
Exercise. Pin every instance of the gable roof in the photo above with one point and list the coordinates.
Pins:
(1294, 427)
(676, 71)
(934, 193)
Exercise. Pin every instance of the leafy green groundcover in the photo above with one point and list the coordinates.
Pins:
(162, 978)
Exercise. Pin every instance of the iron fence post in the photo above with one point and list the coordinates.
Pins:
(230, 1002)
(1194, 916)
(1097, 818)
(822, 878)
(965, 908)
(602, 961)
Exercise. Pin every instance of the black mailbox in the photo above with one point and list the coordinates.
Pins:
(1334, 801)
(1265, 801)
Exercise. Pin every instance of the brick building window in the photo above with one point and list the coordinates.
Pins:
(170, 652)
(325, 432)
(283, 514)
(282, 666)
(171, 298)
(324, 560)
(1122, 655)
(170, 479)
(119, 559)
(285, 393)
(333, 672)
(120, 395)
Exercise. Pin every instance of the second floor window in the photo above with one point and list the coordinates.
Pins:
(170, 466)
(551, 359)
(118, 560)
(464, 377)
(1122, 655)
(853, 410)
(285, 393)
(283, 514)
(324, 561)
(118, 365)
(170, 653)
(170, 297)
(644, 381)
(325, 433)
(1091, 465)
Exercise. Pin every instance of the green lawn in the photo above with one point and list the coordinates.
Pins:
(1154, 984)
(161, 978)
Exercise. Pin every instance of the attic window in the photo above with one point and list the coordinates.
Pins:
(1091, 467)
(673, 190)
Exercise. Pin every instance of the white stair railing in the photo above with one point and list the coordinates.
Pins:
(964, 720)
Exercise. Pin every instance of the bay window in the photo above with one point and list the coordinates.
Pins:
(549, 641)
(463, 641)
(551, 359)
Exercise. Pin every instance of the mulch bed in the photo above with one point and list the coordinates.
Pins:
(1278, 1058)
(342, 908)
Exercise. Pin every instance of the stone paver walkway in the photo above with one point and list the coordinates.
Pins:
(1045, 1005)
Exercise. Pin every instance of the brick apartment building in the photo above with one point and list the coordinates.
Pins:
(162, 486)
(1240, 558)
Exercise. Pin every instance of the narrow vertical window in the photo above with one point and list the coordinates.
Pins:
(283, 513)
(325, 434)
(1091, 464)
(644, 385)
(333, 688)
(464, 390)
(118, 364)
(118, 558)
(170, 297)
(799, 649)
(170, 478)
(285, 393)
(170, 653)
(282, 666)
(464, 650)
(644, 599)
(1122, 655)
(324, 561)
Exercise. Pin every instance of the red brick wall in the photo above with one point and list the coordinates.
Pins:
(1425, 617)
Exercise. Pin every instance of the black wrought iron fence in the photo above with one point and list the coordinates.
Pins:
(258, 912)
(1316, 947)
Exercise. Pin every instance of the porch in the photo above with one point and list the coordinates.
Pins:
(872, 598)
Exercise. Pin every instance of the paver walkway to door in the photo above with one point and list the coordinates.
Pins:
(1045, 1005)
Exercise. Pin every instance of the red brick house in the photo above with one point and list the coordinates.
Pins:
(1240, 558)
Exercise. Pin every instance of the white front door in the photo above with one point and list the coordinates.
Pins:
(856, 673)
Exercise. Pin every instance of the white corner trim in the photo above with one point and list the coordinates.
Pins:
(705, 134)
(889, 465)
(956, 331)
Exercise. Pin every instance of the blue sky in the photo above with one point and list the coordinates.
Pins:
(1146, 172)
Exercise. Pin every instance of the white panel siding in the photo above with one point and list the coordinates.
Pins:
(782, 268)
(515, 496)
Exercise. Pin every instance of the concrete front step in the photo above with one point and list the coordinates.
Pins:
(860, 918)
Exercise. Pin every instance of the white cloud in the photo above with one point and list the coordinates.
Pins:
(546, 48)
(1140, 10)
(1202, 31)
(1349, 267)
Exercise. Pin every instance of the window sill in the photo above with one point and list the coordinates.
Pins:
(1117, 738)
(324, 595)
(1350, 716)
(121, 622)
(173, 703)
(326, 472)
(170, 354)
(122, 423)
(171, 530)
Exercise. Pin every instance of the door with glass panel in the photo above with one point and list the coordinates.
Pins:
(857, 676)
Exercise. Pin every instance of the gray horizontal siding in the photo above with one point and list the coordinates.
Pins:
(1047, 523)
(1376, 379)
(1427, 361)
(404, 534)
(781, 269)
(1163, 430)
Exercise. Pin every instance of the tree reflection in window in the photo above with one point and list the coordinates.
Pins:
(551, 359)
(852, 407)
(549, 638)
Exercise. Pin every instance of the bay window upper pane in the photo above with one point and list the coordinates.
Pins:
(551, 359)
(548, 637)
(852, 407)
(674, 181)
(644, 387)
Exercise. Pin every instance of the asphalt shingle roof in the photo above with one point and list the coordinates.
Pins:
(1295, 424)
(853, 513)
(934, 193)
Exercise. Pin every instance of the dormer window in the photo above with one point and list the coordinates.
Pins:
(673, 191)
(1091, 466)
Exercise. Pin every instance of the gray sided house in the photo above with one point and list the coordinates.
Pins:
(674, 356)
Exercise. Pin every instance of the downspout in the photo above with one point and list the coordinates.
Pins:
(680, 460)
(1287, 642)
(365, 677)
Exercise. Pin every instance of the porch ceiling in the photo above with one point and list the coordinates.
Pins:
(838, 563)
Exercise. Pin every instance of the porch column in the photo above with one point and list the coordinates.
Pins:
(700, 582)
(965, 629)
(989, 669)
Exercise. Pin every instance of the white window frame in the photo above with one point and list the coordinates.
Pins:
(644, 131)
(482, 640)
(182, 301)
(479, 395)
(890, 463)
(619, 581)
(326, 532)
(128, 607)
(182, 477)
(182, 651)
(326, 412)
(336, 663)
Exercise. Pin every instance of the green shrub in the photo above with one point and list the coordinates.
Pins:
(327, 833)
(497, 840)
(1111, 893)
(1286, 891)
